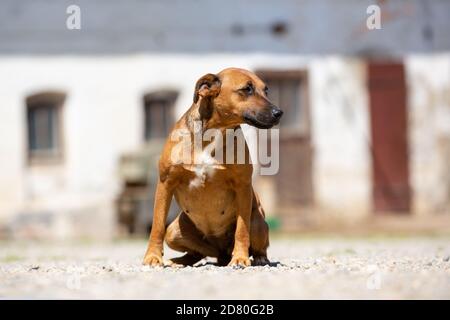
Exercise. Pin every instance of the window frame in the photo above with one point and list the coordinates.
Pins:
(52, 156)
(304, 128)
(169, 95)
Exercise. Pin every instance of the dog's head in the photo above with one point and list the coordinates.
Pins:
(235, 96)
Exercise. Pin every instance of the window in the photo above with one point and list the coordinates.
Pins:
(44, 126)
(288, 90)
(293, 182)
(158, 114)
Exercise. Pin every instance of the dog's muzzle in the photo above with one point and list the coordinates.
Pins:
(264, 119)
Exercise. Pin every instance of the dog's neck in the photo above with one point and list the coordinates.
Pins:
(193, 118)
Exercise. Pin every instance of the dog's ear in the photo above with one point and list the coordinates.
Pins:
(206, 89)
(207, 86)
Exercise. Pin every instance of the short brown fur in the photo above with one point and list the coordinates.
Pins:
(223, 217)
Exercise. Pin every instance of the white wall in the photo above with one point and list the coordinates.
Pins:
(103, 119)
(428, 80)
(341, 136)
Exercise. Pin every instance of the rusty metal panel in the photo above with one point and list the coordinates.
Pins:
(388, 119)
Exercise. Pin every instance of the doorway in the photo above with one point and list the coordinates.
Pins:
(389, 135)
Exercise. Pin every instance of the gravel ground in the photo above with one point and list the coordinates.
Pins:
(308, 268)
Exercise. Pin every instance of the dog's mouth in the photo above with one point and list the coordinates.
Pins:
(253, 121)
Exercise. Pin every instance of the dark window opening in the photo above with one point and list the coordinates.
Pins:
(158, 114)
(44, 126)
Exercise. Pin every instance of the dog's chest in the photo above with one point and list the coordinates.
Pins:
(205, 194)
(204, 169)
(210, 203)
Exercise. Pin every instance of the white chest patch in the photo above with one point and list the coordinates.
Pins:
(205, 166)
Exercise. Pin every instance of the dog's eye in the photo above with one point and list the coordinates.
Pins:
(266, 91)
(248, 89)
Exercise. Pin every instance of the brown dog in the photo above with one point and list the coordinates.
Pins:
(221, 214)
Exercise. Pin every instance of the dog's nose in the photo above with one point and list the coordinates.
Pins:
(277, 113)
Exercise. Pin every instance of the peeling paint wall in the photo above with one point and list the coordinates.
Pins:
(428, 80)
(341, 135)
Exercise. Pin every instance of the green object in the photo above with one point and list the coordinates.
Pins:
(274, 223)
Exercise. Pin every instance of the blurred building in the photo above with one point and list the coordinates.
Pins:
(367, 112)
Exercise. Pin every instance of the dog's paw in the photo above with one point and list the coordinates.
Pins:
(260, 261)
(184, 261)
(153, 260)
(173, 264)
(241, 262)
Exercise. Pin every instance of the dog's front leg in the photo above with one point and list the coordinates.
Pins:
(163, 197)
(242, 236)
